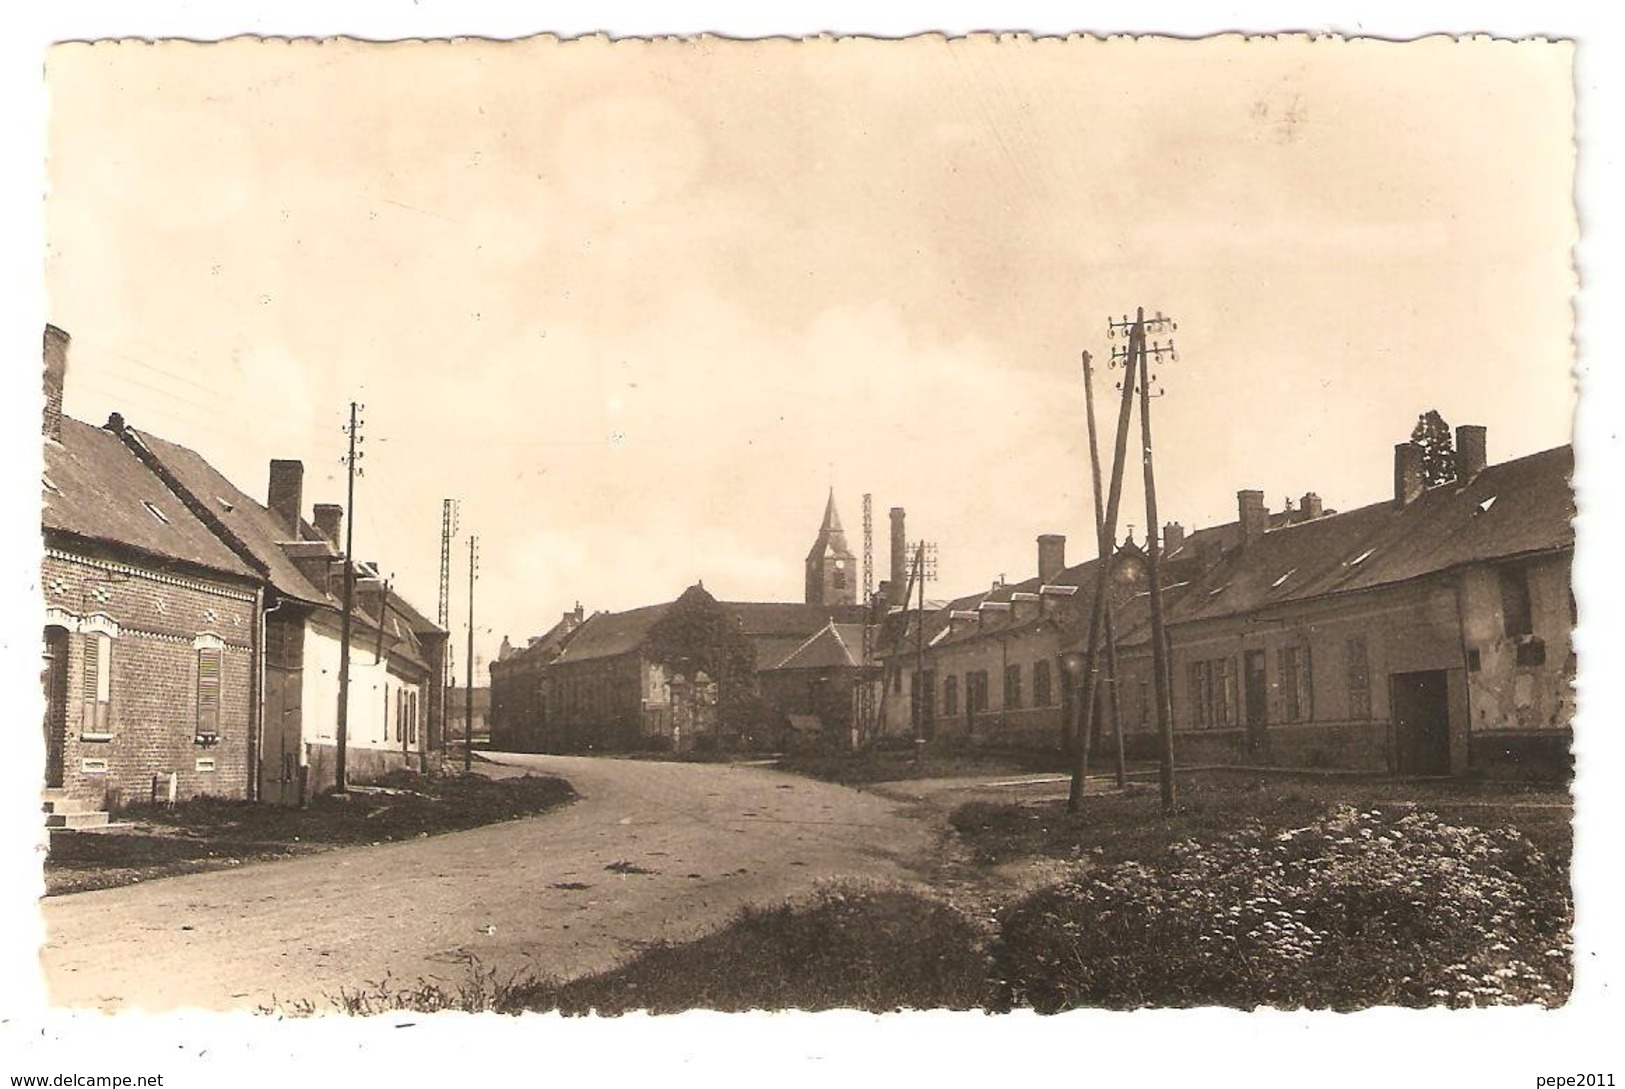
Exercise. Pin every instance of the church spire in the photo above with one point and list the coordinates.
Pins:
(832, 518)
(831, 574)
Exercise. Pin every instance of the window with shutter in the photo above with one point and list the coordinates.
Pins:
(1228, 692)
(98, 685)
(1288, 660)
(208, 694)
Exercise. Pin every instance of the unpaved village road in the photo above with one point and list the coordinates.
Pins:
(714, 837)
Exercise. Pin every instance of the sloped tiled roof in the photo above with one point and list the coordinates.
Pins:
(252, 524)
(833, 646)
(609, 635)
(415, 620)
(792, 618)
(774, 628)
(1067, 615)
(544, 648)
(1516, 508)
(100, 493)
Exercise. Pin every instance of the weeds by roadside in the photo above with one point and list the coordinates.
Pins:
(1122, 827)
(873, 948)
(214, 833)
(1358, 908)
(892, 765)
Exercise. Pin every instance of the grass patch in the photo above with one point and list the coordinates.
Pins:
(212, 833)
(850, 947)
(892, 765)
(1129, 826)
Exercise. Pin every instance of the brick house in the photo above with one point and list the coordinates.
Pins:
(1426, 634)
(601, 690)
(151, 626)
(995, 666)
(251, 593)
(458, 701)
(396, 653)
(519, 687)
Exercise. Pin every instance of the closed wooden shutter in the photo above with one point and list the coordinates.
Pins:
(97, 683)
(91, 684)
(208, 693)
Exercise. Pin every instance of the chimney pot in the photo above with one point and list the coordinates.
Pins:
(115, 423)
(56, 376)
(1408, 482)
(285, 494)
(1472, 451)
(1252, 514)
(1051, 557)
(1312, 506)
(329, 519)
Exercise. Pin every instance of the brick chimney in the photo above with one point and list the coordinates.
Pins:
(56, 375)
(1173, 538)
(1472, 451)
(1051, 557)
(285, 494)
(899, 549)
(329, 520)
(1312, 506)
(1407, 473)
(1252, 514)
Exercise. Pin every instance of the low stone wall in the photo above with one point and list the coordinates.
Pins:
(1350, 746)
(1546, 756)
(360, 765)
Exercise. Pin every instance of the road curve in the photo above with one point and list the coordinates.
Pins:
(533, 895)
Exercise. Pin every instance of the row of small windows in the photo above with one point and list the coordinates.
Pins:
(976, 689)
(1216, 698)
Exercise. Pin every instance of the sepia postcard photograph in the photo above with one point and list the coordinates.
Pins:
(649, 538)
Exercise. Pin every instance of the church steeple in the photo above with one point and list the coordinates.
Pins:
(831, 578)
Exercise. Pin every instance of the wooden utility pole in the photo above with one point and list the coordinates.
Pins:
(919, 655)
(1159, 648)
(866, 691)
(1083, 703)
(468, 689)
(448, 674)
(1104, 545)
(342, 733)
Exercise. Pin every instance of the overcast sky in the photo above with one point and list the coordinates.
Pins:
(639, 305)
